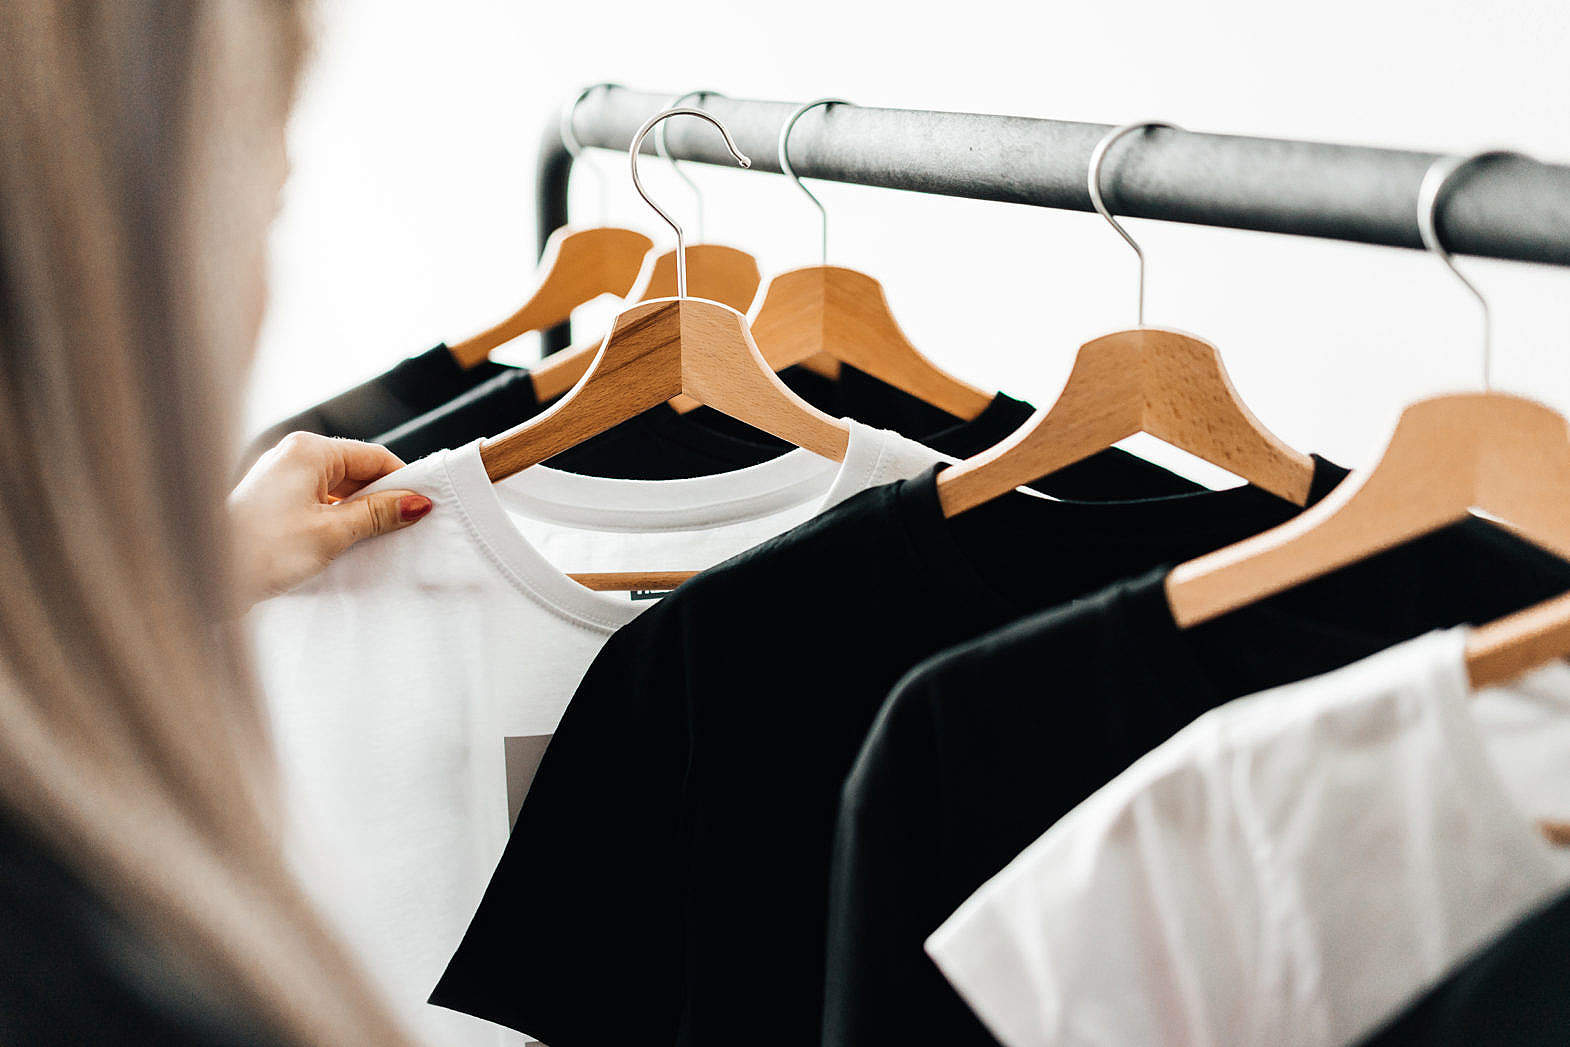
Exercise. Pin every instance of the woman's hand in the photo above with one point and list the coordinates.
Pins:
(289, 519)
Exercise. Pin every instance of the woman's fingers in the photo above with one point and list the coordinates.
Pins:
(376, 514)
(290, 517)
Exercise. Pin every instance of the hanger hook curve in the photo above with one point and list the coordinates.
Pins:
(637, 183)
(1098, 157)
(790, 172)
(663, 149)
(569, 139)
(1429, 195)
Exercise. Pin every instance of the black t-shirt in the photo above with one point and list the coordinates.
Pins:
(664, 444)
(1515, 992)
(667, 878)
(410, 389)
(73, 971)
(982, 748)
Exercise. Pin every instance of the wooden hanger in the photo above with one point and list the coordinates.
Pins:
(727, 275)
(660, 349)
(578, 266)
(838, 313)
(1502, 650)
(1146, 379)
(1450, 456)
(1504, 457)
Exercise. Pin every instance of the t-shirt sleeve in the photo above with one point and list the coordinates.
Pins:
(578, 940)
(887, 845)
(1095, 934)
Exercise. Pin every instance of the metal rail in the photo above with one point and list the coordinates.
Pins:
(1510, 207)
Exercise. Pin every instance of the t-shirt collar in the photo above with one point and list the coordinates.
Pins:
(795, 478)
(1168, 520)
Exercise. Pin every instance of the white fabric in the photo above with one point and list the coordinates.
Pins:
(395, 675)
(1287, 870)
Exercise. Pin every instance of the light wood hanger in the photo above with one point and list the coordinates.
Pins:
(1170, 385)
(727, 275)
(838, 313)
(1503, 457)
(1450, 456)
(715, 272)
(577, 266)
(655, 351)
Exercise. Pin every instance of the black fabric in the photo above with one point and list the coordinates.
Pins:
(663, 444)
(492, 407)
(410, 389)
(1515, 992)
(74, 972)
(673, 852)
(982, 748)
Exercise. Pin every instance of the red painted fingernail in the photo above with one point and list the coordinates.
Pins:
(413, 506)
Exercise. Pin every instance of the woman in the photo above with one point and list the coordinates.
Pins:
(144, 896)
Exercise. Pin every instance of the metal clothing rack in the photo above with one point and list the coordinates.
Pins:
(1509, 207)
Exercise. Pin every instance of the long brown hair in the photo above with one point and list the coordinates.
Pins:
(131, 738)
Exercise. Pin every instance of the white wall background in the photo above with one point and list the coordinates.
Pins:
(409, 215)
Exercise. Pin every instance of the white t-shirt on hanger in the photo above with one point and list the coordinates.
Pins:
(1286, 871)
(409, 679)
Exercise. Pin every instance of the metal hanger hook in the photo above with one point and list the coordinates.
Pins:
(637, 183)
(1429, 195)
(790, 172)
(569, 140)
(1098, 157)
(664, 150)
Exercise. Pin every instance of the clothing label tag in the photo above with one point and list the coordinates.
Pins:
(523, 760)
(647, 594)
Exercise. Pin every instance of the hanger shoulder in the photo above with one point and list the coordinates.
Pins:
(845, 315)
(579, 265)
(638, 367)
(727, 275)
(1502, 650)
(723, 368)
(1504, 455)
(1101, 403)
(861, 330)
(788, 322)
(1191, 403)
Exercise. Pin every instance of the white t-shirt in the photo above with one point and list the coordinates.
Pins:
(1287, 870)
(411, 676)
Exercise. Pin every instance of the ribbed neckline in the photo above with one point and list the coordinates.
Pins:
(797, 478)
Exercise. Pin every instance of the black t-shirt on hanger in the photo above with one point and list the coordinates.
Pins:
(673, 852)
(1510, 994)
(982, 748)
(409, 389)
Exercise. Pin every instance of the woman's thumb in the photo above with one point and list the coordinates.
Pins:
(380, 513)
